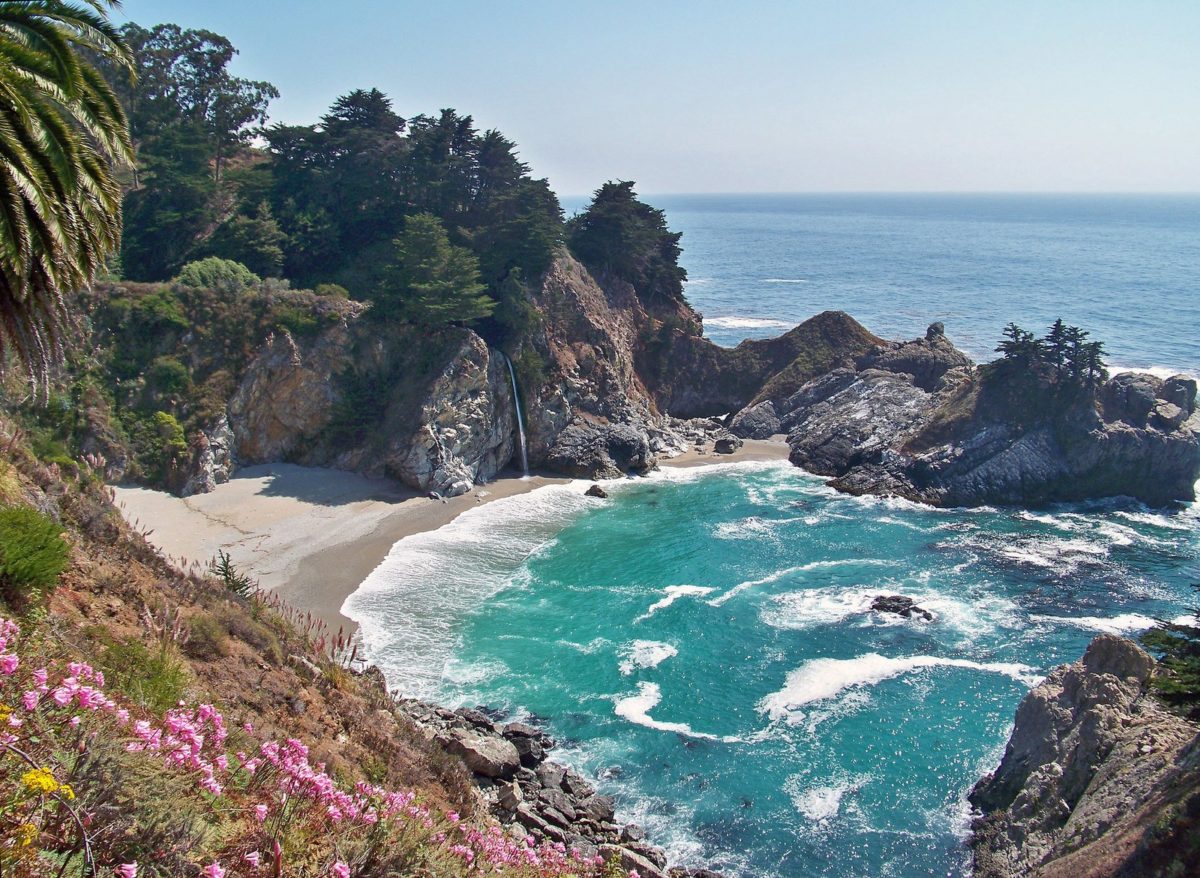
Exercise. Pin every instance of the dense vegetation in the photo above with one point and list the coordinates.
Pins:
(1178, 648)
(1064, 353)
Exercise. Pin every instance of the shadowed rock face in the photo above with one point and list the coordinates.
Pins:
(1093, 765)
(916, 420)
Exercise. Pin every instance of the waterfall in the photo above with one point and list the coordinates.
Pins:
(520, 417)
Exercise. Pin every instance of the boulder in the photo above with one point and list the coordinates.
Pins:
(487, 755)
(596, 491)
(593, 451)
(727, 444)
(1130, 397)
(630, 861)
(759, 421)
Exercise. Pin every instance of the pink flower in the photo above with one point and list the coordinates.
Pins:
(8, 664)
(260, 812)
(40, 676)
(252, 858)
(213, 870)
(127, 870)
(340, 870)
(30, 699)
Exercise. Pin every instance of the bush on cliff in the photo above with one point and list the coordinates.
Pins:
(1178, 679)
(33, 555)
(215, 273)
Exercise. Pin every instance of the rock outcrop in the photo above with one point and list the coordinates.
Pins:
(1094, 777)
(916, 420)
(534, 796)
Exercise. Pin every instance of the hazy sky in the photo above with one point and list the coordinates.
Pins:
(696, 96)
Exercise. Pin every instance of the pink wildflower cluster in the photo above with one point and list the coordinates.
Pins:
(493, 848)
(271, 782)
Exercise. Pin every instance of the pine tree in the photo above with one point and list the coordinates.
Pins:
(431, 282)
(1018, 345)
(1055, 346)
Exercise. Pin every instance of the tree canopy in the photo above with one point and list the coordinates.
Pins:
(1064, 352)
(430, 281)
(621, 235)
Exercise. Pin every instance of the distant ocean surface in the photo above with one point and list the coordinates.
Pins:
(1125, 267)
(701, 642)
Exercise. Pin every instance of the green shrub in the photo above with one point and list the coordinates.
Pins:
(33, 555)
(296, 320)
(229, 576)
(215, 273)
(1177, 681)
(207, 639)
(168, 375)
(154, 678)
(334, 291)
(170, 431)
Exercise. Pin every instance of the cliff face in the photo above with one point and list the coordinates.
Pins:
(433, 411)
(917, 420)
(1097, 779)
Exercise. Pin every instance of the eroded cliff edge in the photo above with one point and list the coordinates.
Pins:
(1098, 779)
(918, 420)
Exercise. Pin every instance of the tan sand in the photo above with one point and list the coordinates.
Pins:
(313, 535)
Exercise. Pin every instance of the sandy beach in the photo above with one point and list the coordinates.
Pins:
(313, 535)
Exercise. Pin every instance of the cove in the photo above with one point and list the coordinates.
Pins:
(701, 644)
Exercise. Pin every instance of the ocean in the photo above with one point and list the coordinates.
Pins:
(701, 643)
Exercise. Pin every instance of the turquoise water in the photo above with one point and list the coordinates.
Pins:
(701, 643)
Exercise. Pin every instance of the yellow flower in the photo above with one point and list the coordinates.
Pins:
(66, 792)
(39, 780)
(5, 712)
(26, 833)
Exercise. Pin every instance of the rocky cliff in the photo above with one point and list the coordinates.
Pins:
(1097, 779)
(436, 411)
(918, 420)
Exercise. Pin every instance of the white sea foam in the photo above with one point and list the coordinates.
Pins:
(972, 616)
(784, 280)
(411, 604)
(744, 322)
(1125, 623)
(791, 571)
(820, 803)
(821, 679)
(645, 654)
(636, 709)
(674, 593)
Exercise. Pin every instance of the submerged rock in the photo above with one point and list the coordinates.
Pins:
(900, 606)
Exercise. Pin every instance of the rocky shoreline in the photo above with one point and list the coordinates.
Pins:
(534, 796)
(1098, 779)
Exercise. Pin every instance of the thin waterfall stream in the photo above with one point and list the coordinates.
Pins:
(520, 417)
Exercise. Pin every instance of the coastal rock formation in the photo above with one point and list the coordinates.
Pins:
(900, 605)
(916, 420)
(1094, 777)
(537, 797)
(759, 421)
